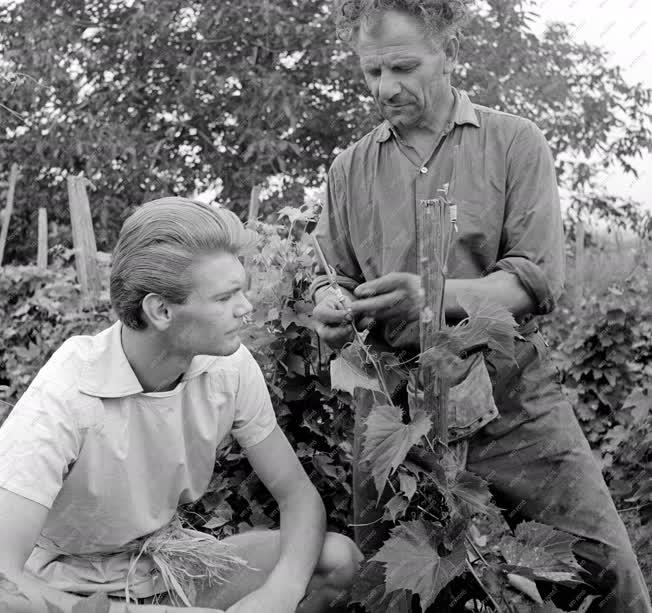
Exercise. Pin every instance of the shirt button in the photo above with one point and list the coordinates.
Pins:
(424, 170)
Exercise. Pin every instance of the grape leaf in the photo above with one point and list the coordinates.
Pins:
(97, 603)
(508, 590)
(488, 322)
(420, 461)
(488, 325)
(349, 371)
(413, 563)
(395, 507)
(470, 494)
(408, 484)
(387, 440)
(221, 514)
(641, 402)
(443, 357)
(545, 552)
(293, 214)
(526, 586)
(369, 591)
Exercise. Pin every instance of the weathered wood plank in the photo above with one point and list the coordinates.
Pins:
(434, 236)
(83, 237)
(9, 209)
(42, 250)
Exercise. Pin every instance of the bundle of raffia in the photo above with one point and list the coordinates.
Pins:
(185, 558)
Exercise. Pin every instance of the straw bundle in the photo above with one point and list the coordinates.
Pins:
(185, 558)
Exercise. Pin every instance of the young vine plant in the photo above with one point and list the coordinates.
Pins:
(434, 553)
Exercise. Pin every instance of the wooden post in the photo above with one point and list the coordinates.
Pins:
(254, 209)
(579, 264)
(42, 251)
(254, 203)
(83, 237)
(435, 232)
(618, 236)
(6, 218)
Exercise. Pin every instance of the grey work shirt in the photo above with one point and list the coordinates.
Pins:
(501, 176)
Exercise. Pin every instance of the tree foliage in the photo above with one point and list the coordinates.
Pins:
(152, 98)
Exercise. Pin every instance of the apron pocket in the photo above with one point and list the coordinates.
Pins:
(471, 404)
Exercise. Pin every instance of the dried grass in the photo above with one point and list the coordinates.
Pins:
(185, 558)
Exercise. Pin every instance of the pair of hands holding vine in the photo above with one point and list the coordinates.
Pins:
(397, 295)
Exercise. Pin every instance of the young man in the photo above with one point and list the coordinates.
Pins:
(120, 428)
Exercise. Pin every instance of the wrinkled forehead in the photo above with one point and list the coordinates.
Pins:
(391, 36)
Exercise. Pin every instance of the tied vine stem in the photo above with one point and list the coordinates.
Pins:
(482, 585)
(332, 279)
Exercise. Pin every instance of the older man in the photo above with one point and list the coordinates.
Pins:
(509, 248)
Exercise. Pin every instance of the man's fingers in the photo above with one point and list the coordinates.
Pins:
(372, 306)
(363, 322)
(335, 336)
(388, 283)
(325, 314)
(329, 333)
(328, 295)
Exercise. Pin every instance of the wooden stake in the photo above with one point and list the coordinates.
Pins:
(579, 264)
(254, 203)
(42, 252)
(618, 235)
(6, 218)
(435, 235)
(83, 237)
(254, 209)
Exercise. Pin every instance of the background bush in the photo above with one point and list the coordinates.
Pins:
(603, 351)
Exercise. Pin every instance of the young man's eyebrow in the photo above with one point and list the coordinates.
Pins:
(234, 288)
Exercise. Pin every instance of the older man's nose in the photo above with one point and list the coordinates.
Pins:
(388, 87)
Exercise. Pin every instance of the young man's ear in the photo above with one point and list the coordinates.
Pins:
(156, 312)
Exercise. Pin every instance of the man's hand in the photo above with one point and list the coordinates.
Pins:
(268, 598)
(397, 295)
(332, 318)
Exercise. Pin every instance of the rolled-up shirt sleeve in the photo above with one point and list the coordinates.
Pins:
(532, 241)
(333, 235)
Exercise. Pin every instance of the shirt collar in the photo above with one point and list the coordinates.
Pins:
(107, 373)
(463, 113)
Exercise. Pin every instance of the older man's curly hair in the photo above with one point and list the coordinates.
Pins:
(440, 17)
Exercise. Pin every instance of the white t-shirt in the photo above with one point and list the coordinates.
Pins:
(113, 463)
